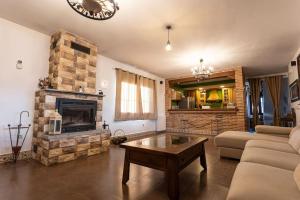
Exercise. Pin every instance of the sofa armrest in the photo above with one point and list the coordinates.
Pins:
(273, 130)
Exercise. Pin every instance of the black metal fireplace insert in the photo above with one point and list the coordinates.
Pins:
(77, 115)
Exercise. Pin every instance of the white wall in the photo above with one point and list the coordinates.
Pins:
(17, 87)
(293, 75)
(106, 75)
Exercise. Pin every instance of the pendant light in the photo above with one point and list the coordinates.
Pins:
(168, 45)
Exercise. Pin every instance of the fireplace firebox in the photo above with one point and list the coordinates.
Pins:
(77, 115)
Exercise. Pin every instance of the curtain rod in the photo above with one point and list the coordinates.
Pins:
(115, 68)
(284, 74)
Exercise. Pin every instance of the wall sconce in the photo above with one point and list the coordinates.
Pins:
(104, 84)
(19, 64)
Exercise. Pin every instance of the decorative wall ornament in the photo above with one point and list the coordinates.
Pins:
(294, 91)
(45, 83)
(19, 64)
(95, 9)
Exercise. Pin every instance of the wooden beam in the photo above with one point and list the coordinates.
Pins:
(228, 74)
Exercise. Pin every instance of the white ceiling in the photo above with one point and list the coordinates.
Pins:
(262, 35)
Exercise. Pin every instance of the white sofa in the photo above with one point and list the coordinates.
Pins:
(232, 143)
(269, 162)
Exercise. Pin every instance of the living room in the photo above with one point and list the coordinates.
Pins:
(113, 99)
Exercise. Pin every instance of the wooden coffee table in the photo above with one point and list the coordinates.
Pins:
(166, 152)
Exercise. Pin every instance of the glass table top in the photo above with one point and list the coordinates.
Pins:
(166, 142)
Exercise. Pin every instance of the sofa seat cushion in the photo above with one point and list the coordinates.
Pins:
(273, 158)
(278, 146)
(238, 139)
(255, 181)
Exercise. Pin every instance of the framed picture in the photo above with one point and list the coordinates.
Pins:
(298, 65)
(294, 91)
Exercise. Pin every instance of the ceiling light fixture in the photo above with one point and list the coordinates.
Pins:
(201, 72)
(95, 9)
(168, 45)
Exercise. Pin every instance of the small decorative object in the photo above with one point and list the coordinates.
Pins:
(294, 91)
(44, 83)
(231, 105)
(105, 126)
(95, 9)
(100, 92)
(19, 64)
(106, 130)
(206, 107)
(55, 122)
(202, 72)
(118, 137)
(80, 89)
(19, 139)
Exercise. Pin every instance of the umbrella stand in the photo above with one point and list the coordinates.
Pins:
(17, 146)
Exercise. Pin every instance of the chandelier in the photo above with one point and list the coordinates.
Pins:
(201, 72)
(95, 9)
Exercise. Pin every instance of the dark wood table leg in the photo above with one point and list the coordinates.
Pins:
(173, 179)
(203, 157)
(126, 168)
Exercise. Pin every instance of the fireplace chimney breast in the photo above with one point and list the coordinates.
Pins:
(72, 63)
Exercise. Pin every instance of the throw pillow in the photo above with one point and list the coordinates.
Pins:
(294, 139)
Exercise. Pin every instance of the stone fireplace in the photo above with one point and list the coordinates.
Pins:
(72, 72)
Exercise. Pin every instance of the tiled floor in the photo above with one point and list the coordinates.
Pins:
(99, 177)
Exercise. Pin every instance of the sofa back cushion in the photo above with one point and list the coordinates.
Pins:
(297, 176)
(294, 139)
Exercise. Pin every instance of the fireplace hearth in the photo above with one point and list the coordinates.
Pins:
(77, 115)
(81, 122)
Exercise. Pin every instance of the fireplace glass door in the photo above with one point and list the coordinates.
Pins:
(77, 115)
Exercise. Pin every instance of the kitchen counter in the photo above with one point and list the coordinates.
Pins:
(204, 111)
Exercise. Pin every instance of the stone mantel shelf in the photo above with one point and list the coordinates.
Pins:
(203, 111)
(71, 92)
(72, 135)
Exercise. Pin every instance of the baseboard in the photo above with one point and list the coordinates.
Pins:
(136, 136)
(24, 155)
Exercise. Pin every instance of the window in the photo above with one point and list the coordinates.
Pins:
(147, 96)
(135, 97)
(128, 98)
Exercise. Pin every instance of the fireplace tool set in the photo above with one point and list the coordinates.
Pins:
(17, 140)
